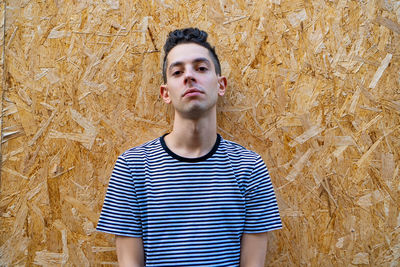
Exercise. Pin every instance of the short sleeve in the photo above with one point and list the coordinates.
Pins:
(120, 214)
(262, 213)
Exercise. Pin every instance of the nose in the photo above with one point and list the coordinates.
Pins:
(189, 76)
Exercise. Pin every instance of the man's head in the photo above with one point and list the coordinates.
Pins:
(192, 74)
(189, 35)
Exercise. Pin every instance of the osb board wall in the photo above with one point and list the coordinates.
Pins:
(313, 87)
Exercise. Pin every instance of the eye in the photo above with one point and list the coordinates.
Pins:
(202, 68)
(176, 73)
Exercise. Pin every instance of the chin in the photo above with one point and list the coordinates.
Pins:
(196, 112)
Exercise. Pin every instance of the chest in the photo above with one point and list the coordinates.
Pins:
(190, 192)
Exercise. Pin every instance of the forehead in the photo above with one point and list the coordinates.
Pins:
(187, 53)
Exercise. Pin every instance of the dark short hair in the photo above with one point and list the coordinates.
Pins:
(184, 36)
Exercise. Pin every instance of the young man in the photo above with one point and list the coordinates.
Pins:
(190, 197)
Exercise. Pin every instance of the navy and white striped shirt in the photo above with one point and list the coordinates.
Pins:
(189, 212)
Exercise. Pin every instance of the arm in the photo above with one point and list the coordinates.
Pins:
(130, 251)
(253, 250)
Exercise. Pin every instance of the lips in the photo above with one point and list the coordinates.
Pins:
(192, 92)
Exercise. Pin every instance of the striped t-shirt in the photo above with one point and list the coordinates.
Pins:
(189, 211)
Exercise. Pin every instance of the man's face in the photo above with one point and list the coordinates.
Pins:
(192, 84)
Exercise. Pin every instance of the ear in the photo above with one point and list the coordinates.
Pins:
(165, 93)
(222, 83)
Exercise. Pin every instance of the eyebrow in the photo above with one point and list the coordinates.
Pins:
(197, 60)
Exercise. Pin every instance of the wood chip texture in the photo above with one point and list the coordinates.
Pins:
(313, 87)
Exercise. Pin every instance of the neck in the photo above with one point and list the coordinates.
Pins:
(192, 138)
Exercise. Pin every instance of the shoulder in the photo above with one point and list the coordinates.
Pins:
(236, 150)
(247, 164)
(143, 150)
